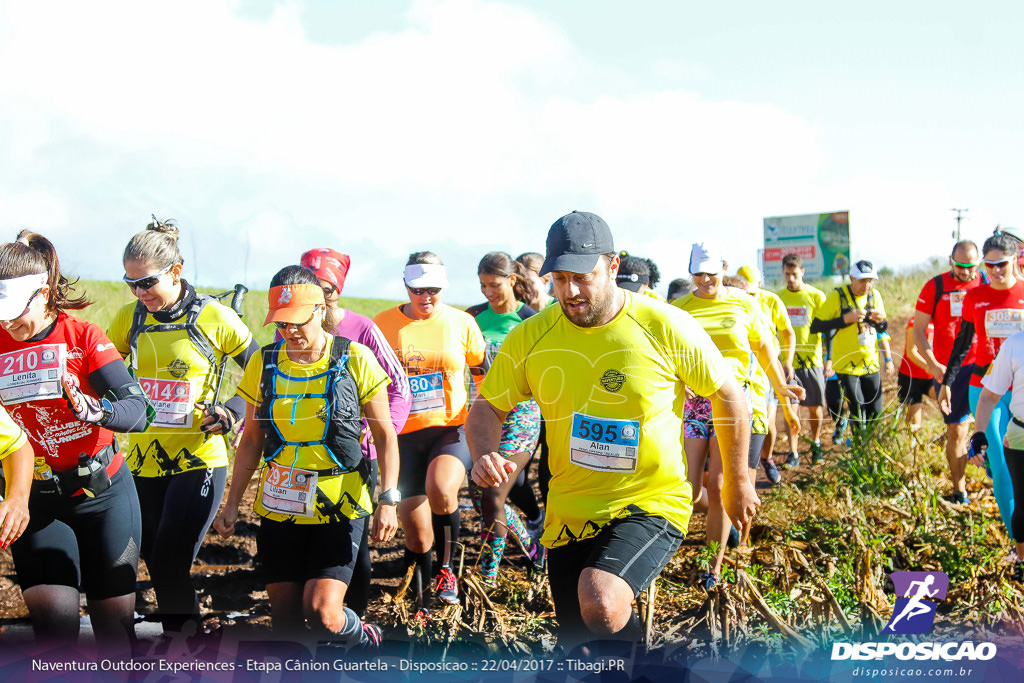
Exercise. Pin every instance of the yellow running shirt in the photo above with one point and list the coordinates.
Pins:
(337, 496)
(11, 435)
(175, 375)
(435, 353)
(736, 325)
(802, 306)
(853, 346)
(612, 398)
(774, 311)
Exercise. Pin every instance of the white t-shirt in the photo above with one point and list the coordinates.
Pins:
(1007, 371)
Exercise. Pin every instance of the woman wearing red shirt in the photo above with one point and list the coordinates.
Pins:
(64, 382)
(993, 312)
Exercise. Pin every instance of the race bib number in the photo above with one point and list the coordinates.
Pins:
(1003, 322)
(604, 445)
(173, 401)
(956, 303)
(290, 491)
(33, 373)
(798, 316)
(427, 392)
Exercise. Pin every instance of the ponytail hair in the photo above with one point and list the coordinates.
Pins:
(157, 245)
(33, 254)
(502, 265)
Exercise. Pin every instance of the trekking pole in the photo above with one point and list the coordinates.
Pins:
(237, 297)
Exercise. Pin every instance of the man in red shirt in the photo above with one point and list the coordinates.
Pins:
(941, 305)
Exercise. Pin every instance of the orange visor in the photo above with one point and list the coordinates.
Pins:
(293, 303)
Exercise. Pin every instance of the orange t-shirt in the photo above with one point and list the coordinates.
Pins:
(435, 353)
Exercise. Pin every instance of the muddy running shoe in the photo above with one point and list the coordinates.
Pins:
(792, 462)
(770, 470)
(1018, 572)
(371, 636)
(708, 580)
(536, 529)
(422, 616)
(840, 428)
(447, 587)
(734, 537)
(817, 454)
(959, 498)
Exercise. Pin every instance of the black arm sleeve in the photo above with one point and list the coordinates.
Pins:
(961, 345)
(130, 409)
(243, 356)
(819, 326)
(236, 404)
(882, 326)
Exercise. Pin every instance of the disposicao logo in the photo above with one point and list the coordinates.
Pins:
(914, 613)
(917, 595)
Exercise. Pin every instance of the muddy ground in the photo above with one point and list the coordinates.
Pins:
(233, 597)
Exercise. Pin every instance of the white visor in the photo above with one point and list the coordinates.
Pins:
(426, 275)
(15, 293)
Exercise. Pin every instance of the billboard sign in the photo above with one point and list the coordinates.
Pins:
(821, 239)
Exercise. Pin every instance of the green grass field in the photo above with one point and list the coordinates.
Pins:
(830, 532)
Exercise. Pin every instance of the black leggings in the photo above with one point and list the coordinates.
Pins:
(543, 469)
(864, 392)
(1015, 464)
(358, 595)
(87, 543)
(176, 512)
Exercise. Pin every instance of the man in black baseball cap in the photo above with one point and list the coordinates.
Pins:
(576, 241)
(609, 376)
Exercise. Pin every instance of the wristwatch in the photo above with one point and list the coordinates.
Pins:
(389, 497)
(108, 411)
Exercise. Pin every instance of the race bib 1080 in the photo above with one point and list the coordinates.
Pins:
(604, 445)
(33, 373)
(427, 392)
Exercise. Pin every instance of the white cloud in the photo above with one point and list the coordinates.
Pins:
(469, 126)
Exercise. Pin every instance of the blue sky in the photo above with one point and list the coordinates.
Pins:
(463, 126)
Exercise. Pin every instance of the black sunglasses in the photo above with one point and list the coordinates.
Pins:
(420, 291)
(284, 326)
(147, 282)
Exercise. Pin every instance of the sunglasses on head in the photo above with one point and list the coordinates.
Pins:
(284, 326)
(420, 291)
(146, 282)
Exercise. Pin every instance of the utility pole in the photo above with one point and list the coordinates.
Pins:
(959, 217)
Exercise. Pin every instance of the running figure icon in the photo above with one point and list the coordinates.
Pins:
(915, 612)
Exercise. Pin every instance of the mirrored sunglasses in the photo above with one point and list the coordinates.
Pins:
(147, 282)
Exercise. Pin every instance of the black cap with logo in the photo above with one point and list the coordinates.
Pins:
(576, 242)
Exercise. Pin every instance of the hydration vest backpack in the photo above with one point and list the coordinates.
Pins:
(197, 338)
(844, 303)
(343, 421)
